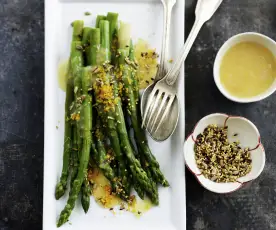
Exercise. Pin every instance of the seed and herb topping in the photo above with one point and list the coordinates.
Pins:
(218, 159)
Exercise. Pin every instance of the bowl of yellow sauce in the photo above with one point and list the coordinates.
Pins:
(245, 67)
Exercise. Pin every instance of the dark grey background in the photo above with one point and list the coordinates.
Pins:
(22, 111)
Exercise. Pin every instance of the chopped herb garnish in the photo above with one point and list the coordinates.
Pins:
(218, 159)
(78, 47)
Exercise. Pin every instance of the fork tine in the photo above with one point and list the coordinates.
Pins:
(152, 112)
(159, 111)
(166, 111)
(149, 102)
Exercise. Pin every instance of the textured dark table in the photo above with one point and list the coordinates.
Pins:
(21, 117)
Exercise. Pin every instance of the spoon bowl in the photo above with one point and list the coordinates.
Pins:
(169, 125)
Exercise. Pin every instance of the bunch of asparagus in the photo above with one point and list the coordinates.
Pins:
(102, 99)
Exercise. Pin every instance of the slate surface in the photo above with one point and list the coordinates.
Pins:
(253, 207)
(22, 111)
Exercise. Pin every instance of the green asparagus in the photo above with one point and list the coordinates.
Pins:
(139, 173)
(134, 110)
(86, 45)
(95, 41)
(99, 18)
(104, 97)
(77, 30)
(77, 62)
(103, 162)
(102, 64)
(74, 155)
(113, 34)
(136, 185)
(61, 186)
(140, 191)
(134, 79)
(86, 193)
(147, 169)
(86, 112)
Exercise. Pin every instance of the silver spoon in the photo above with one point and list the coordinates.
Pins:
(163, 68)
(204, 11)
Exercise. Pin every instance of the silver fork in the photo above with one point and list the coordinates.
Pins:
(163, 67)
(164, 92)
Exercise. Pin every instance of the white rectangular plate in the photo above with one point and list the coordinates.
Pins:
(146, 18)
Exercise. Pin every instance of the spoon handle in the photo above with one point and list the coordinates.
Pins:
(174, 71)
(204, 11)
(163, 69)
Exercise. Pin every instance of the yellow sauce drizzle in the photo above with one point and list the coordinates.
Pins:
(146, 57)
(102, 194)
(102, 189)
(247, 69)
(147, 62)
(63, 74)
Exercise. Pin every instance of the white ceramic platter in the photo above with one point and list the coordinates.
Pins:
(146, 18)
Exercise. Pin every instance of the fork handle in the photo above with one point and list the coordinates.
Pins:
(175, 70)
(163, 67)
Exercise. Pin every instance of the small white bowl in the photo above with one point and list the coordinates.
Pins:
(244, 37)
(248, 135)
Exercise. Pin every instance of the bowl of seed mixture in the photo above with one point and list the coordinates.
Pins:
(224, 152)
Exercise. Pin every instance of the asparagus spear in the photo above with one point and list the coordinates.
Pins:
(74, 155)
(86, 193)
(133, 106)
(104, 97)
(136, 185)
(61, 186)
(91, 53)
(86, 112)
(134, 79)
(77, 30)
(113, 37)
(86, 189)
(102, 161)
(99, 18)
(139, 173)
(140, 191)
(86, 45)
(77, 62)
(112, 18)
(76, 66)
(147, 169)
(95, 41)
(113, 34)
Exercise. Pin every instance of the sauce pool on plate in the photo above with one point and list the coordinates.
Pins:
(146, 57)
(63, 74)
(103, 196)
(247, 69)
